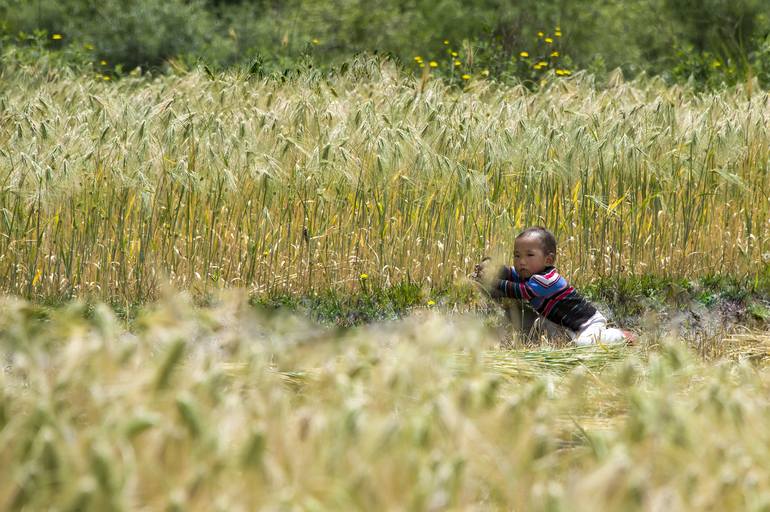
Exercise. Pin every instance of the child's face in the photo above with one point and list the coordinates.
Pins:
(529, 257)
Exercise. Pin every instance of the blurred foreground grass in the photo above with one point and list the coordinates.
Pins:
(226, 409)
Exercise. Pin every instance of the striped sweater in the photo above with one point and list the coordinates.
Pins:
(549, 294)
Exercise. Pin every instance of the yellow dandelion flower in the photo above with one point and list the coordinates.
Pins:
(422, 64)
(431, 303)
(567, 72)
(266, 253)
(417, 58)
(716, 64)
(549, 40)
(88, 46)
(557, 34)
(466, 77)
(485, 72)
(540, 34)
(554, 54)
(364, 277)
(106, 78)
(542, 64)
(524, 54)
(103, 62)
(446, 41)
(433, 64)
(458, 63)
(557, 29)
(315, 41)
(560, 72)
(57, 37)
(454, 54)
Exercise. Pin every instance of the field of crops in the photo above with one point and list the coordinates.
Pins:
(176, 192)
(112, 189)
(223, 409)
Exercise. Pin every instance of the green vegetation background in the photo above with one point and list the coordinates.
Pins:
(712, 42)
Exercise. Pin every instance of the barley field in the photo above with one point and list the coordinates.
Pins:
(314, 182)
(163, 191)
(225, 409)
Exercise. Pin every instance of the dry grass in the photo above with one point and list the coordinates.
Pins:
(224, 409)
(113, 188)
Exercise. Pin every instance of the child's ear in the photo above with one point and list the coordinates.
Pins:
(550, 259)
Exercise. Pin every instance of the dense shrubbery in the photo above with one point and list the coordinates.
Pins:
(714, 42)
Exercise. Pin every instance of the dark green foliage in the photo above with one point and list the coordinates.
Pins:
(759, 311)
(741, 298)
(634, 291)
(347, 309)
(627, 298)
(132, 33)
(713, 42)
(719, 41)
(723, 26)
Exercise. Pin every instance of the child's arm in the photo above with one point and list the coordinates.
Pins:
(515, 289)
(509, 274)
(536, 286)
(489, 274)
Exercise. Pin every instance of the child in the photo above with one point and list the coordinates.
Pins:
(533, 278)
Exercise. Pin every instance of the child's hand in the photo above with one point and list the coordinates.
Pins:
(485, 273)
(480, 268)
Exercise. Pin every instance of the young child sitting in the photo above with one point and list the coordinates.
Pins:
(534, 279)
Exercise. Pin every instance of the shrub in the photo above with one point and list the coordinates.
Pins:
(130, 33)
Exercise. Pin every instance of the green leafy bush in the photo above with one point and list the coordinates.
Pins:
(130, 33)
(679, 39)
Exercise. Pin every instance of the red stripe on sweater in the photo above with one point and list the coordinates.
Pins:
(524, 293)
(556, 299)
(547, 280)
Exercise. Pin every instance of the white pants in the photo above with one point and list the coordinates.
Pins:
(594, 331)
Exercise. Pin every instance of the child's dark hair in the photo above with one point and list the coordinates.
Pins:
(547, 240)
